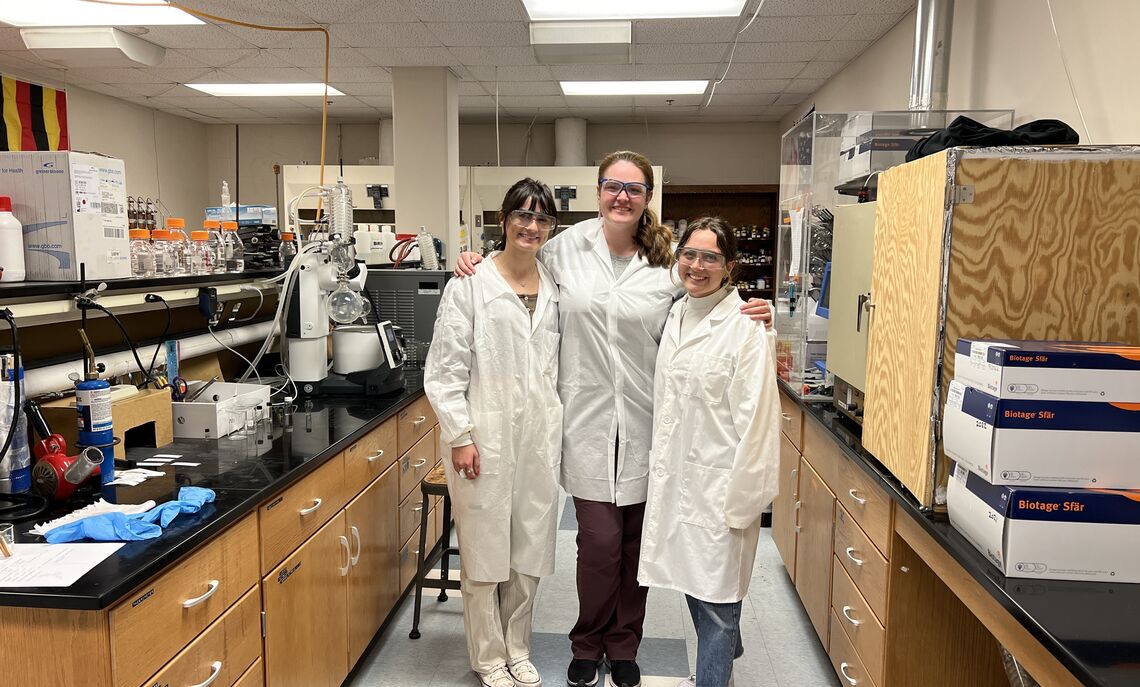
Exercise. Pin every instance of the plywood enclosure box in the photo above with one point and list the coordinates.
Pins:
(1001, 243)
(147, 413)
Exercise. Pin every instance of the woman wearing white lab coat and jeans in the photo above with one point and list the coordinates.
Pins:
(491, 377)
(713, 467)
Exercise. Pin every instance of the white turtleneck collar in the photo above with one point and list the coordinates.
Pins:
(693, 310)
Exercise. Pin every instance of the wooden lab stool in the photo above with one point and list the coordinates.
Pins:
(435, 484)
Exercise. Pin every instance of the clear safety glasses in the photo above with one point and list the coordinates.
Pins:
(691, 256)
(523, 218)
(634, 189)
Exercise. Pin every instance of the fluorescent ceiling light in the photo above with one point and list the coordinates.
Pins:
(235, 90)
(634, 87)
(581, 42)
(78, 13)
(556, 10)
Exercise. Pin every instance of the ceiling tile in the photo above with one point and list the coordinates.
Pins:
(351, 74)
(765, 70)
(199, 36)
(464, 10)
(132, 75)
(359, 89)
(682, 52)
(752, 86)
(806, 86)
(675, 71)
(194, 103)
(516, 55)
(531, 101)
(779, 110)
(662, 101)
(721, 110)
(464, 34)
(809, 8)
(273, 39)
(150, 89)
(742, 100)
(669, 110)
(868, 27)
(273, 12)
(779, 29)
(842, 51)
(471, 88)
(327, 12)
(594, 72)
(271, 75)
(377, 100)
(510, 73)
(466, 101)
(261, 59)
(821, 69)
(791, 98)
(216, 57)
(18, 57)
(704, 30)
(379, 12)
(887, 6)
(10, 39)
(412, 57)
(407, 35)
(523, 88)
(315, 57)
(777, 52)
(174, 59)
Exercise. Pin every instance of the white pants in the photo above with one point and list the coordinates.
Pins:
(497, 618)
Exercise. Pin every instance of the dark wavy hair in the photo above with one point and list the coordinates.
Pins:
(519, 196)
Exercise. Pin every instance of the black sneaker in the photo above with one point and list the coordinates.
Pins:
(623, 674)
(582, 672)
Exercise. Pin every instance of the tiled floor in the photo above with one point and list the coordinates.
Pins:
(780, 646)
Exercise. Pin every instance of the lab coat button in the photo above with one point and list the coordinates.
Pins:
(660, 471)
(667, 420)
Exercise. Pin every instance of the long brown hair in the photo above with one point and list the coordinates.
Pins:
(654, 241)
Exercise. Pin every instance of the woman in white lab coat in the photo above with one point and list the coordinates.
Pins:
(491, 377)
(616, 289)
(715, 457)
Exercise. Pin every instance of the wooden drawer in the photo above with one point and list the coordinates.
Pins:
(845, 660)
(410, 509)
(222, 654)
(409, 559)
(862, 561)
(254, 677)
(413, 423)
(792, 420)
(866, 633)
(295, 514)
(369, 457)
(824, 454)
(416, 464)
(866, 501)
(159, 619)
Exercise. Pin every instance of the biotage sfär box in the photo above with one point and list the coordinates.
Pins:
(1050, 370)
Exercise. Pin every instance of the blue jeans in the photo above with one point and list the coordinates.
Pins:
(718, 640)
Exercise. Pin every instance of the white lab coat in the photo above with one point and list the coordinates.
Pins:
(610, 332)
(715, 457)
(491, 376)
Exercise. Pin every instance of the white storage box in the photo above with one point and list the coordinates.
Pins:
(1058, 534)
(1050, 370)
(74, 210)
(1074, 444)
(212, 415)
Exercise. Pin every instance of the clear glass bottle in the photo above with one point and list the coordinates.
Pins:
(142, 254)
(160, 248)
(178, 245)
(217, 244)
(288, 248)
(235, 249)
(202, 254)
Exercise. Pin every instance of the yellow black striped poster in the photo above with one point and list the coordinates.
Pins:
(32, 117)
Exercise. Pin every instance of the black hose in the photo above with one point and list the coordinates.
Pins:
(151, 298)
(17, 407)
(134, 349)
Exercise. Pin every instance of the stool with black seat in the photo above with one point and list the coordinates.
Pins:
(434, 484)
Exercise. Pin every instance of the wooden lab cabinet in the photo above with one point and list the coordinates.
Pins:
(813, 548)
(784, 507)
(992, 244)
(374, 580)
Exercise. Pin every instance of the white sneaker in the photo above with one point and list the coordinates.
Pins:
(499, 677)
(524, 674)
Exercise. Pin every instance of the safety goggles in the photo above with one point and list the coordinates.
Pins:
(524, 218)
(708, 259)
(633, 189)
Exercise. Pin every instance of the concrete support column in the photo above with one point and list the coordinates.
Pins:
(385, 155)
(425, 142)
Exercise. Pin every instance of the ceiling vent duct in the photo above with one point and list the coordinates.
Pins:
(91, 46)
(930, 72)
(581, 42)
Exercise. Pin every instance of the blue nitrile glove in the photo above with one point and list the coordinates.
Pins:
(190, 500)
(105, 527)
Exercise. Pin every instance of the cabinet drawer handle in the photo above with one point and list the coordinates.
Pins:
(787, 418)
(359, 547)
(311, 509)
(418, 509)
(191, 603)
(420, 463)
(847, 614)
(843, 669)
(419, 421)
(347, 555)
(855, 495)
(215, 671)
(856, 561)
(796, 511)
(375, 456)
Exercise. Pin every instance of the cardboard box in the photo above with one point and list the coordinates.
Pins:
(1050, 370)
(1019, 529)
(148, 411)
(1073, 444)
(74, 210)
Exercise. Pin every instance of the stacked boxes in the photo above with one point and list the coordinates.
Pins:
(1046, 442)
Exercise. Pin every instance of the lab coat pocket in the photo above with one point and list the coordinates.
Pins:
(703, 491)
(550, 437)
(488, 436)
(709, 378)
